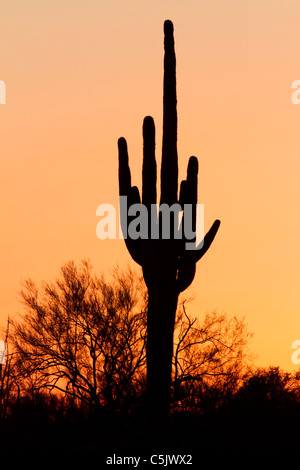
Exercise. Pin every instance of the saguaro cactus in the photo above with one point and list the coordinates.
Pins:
(168, 267)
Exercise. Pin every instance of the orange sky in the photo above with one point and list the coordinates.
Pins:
(80, 74)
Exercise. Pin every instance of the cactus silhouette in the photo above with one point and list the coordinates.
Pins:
(168, 267)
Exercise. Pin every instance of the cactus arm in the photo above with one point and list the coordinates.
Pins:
(149, 163)
(188, 259)
(187, 263)
(124, 170)
(208, 239)
(134, 247)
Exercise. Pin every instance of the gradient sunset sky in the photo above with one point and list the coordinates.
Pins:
(80, 74)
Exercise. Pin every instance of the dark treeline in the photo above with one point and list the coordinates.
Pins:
(75, 374)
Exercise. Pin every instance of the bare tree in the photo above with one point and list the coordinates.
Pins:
(83, 336)
(210, 358)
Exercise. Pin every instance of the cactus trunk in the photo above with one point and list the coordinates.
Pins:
(160, 323)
